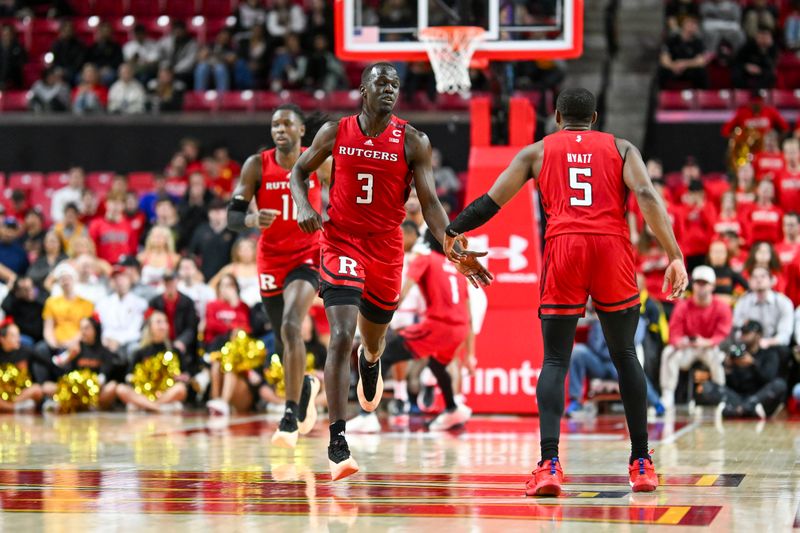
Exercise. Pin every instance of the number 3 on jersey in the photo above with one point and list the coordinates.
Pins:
(366, 187)
(577, 185)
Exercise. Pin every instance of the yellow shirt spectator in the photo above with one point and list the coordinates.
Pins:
(66, 315)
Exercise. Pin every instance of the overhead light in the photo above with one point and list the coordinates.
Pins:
(128, 21)
(198, 21)
(93, 21)
(163, 21)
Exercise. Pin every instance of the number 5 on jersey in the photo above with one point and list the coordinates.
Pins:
(366, 187)
(583, 186)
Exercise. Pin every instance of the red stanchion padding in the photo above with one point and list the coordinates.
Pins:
(480, 110)
(521, 123)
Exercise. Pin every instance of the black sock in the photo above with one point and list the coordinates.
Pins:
(445, 382)
(291, 410)
(337, 430)
(639, 447)
(549, 448)
(412, 398)
(364, 363)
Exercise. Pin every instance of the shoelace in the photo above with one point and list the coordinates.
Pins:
(641, 462)
(553, 464)
(339, 451)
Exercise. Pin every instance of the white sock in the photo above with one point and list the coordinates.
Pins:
(401, 390)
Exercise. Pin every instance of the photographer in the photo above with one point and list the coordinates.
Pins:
(753, 386)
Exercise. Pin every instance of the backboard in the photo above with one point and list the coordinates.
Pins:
(370, 30)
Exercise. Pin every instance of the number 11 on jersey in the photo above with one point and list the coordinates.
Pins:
(289, 207)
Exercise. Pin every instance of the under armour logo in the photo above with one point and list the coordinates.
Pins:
(514, 252)
(579, 138)
(368, 142)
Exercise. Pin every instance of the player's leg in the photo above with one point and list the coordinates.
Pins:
(373, 343)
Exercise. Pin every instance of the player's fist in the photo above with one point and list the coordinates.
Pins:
(676, 279)
(309, 220)
(266, 217)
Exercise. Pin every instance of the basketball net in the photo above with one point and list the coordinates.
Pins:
(450, 50)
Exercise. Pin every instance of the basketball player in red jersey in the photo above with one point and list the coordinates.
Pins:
(288, 259)
(582, 177)
(375, 157)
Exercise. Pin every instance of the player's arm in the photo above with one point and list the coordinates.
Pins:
(418, 152)
(239, 219)
(634, 172)
(324, 172)
(309, 161)
(482, 209)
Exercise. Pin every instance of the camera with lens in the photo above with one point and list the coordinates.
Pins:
(737, 350)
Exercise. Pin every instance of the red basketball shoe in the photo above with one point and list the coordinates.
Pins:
(546, 480)
(643, 474)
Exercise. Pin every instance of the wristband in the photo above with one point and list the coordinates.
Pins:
(474, 215)
(239, 204)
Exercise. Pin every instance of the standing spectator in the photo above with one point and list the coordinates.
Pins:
(284, 18)
(229, 171)
(756, 64)
(158, 256)
(244, 268)
(122, 314)
(753, 386)
(70, 227)
(289, 66)
(728, 281)
(320, 22)
(49, 94)
(722, 22)
(690, 171)
(212, 242)
(12, 255)
(763, 221)
(683, 57)
(787, 249)
(250, 14)
(105, 53)
(193, 209)
(323, 70)
(179, 50)
(12, 59)
(126, 95)
(652, 263)
(191, 283)
(142, 54)
(90, 96)
(52, 254)
(69, 194)
(112, 235)
(62, 314)
(771, 309)
(24, 304)
(697, 327)
(68, 51)
(166, 93)
(215, 61)
(251, 67)
(182, 320)
(698, 219)
(757, 115)
(788, 179)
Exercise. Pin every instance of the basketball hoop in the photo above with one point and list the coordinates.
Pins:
(450, 50)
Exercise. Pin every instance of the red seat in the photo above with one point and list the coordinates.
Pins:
(181, 9)
(41, 198)
(201, 101)
(31, 72)
(14, 101)
(785, 99)
(110, 8)
(237, 101)
(26, 180)
(99, 181)
(141, 181)
(56, 180)
(41, 43)
(675, 100)
(216, 8)
(266, 100)
(720, 99)
(743, 96)
(145, 8)
(82, 7)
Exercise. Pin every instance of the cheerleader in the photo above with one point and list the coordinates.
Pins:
(155, 340)
(11, 351)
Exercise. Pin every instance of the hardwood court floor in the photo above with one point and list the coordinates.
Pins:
(138, 473)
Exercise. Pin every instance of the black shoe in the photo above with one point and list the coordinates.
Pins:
(428, 397)
(288, 424)
(305, 394)
(339, 459)
(307, 417)
(370, 383)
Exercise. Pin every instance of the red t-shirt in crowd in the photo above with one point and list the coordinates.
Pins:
(222, 185)
(768, 165)
(137, 222)
(764, 224)
(170, 307)
(653, 264)
(698, 228)
(761, 117)
(787, 186)
(728, 224)
(787, 251)
(744, 201)
(112, 239)
(222, 318)
(691, 320)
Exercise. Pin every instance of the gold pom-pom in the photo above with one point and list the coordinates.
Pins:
(12, 381)
(77, 391)
(156, 374)
(274, 375)
(310, 360)
(241, 354)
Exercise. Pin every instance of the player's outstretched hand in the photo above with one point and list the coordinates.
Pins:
(452, 251)
(266, 217)
(309, 220)
(475, 272)
(676, 278)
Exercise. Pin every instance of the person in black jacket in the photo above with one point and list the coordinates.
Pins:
(25, 304)
(68, 52)
(753, 386)
(757, 62)
(155, 340)
(11, 351)
(12, 59)
(105, 53)
(181, 318)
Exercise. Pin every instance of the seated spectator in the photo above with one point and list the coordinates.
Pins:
(745, 189)
(83, 246)
(250, 14)
(771, 309)
(24, 305)
(285, 18)
(722, 23)
(90, 205)
(690, 171)
(323, 70)
(789, 247)
(112, 234)
(90, 354)
(179, 51)
(70, 193)
(142, 54)
(763, 255)
(13, 352)
(229, 170)
(122, 314)
(728, 281)
(90, 96)
(592, 360)
(697, 219)
(753, 386)
(70, 227)
(758, 15)
(737, 256)
(126, 95)
(212, 242)
(167, 216)
(243, 267)
(697, 327)
(131, 266)
(677, 10)
(763, 221)
(768, 163)
(319, 22)
(757, 62)
(448, 186)
(791, 27)
(788, 179)
(253, 57)
(68, 52)
(105, 53)
(147, 203)
(155, 340)
(190, 149)
(12, 59)
(193, 208)
(181, 320)
(33, 231)
(757, 115)
(683, 58)
(52, 255)
(13, 258)
(728, 218)
(134, 216)
(192, 284)
(49, 94)
(165, 92)
(215, 61)
(177, 173)
(91, 279)
(225, 315)
(289, 66)
(158, 256)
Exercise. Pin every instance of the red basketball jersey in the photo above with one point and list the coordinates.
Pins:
(284, 236)
(444, 289)
(581, 184)
(371, 179)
